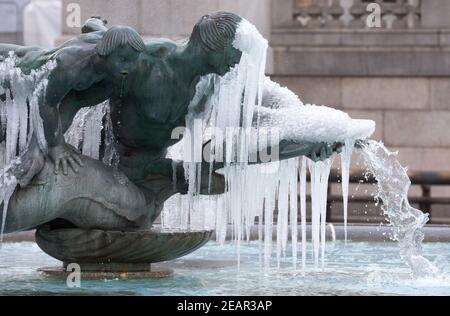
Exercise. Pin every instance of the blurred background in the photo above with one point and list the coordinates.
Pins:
(397, 74)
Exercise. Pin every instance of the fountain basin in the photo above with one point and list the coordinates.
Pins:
(358, 268)
(111, 251)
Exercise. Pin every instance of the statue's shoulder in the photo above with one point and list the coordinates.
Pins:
(160, 48)
(81, 42)
(76, 48)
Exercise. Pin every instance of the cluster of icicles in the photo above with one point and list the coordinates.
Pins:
(20, 120)
(255, 193)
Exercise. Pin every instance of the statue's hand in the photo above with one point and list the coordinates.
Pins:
(30, 164)
(322, 151)
(65, 155)
(314, 151)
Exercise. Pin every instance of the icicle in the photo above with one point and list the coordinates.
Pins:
(37, 126)
(346, 156)
(85, 133)
(21, 91)
(283, 211)
(293, 208)
(319, 186)
(315, 210)
(92, 131)
(8, 184)
(325, 167)
(75, 133)
(110, 155)
(12, 129)
(303, 209)
(268, 225)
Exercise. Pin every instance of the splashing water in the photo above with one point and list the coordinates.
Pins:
(406, 221)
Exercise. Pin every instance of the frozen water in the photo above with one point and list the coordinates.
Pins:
(282, 109)
(22, 93)
(8, 184)
(85, 132)
(245, 98)
(302, 176)
(346, 156)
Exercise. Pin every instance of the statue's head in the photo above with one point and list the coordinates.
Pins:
(120, 48)
(214, 35)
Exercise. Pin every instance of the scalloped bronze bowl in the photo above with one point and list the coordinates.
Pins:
(99, 246)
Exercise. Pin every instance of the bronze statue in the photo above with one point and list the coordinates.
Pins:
(150, 86)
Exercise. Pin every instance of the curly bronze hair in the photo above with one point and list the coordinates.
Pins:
(118, 36)
(215, 31)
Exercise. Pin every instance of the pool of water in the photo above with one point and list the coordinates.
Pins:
(358, 268)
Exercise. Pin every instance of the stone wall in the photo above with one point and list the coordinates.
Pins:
(398, 77)
(168, 18)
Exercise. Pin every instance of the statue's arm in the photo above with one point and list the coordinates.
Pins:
(57, 88)
(60, 83)
(273, 98)
(276, 97)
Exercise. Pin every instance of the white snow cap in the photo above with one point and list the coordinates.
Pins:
(248, 38)
(298, 122)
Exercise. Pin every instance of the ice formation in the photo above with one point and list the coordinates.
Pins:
(244, 99)
(20, 120)
(254, 194)
(346, 156)
(85, 133)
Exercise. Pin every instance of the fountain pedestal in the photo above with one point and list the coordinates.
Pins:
(116, 254)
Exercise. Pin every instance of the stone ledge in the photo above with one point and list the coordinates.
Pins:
(366, 232)
(364, 37)
(423, 159)
(362, 61)
(417, 129)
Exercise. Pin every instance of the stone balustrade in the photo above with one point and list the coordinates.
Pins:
(399, 14)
